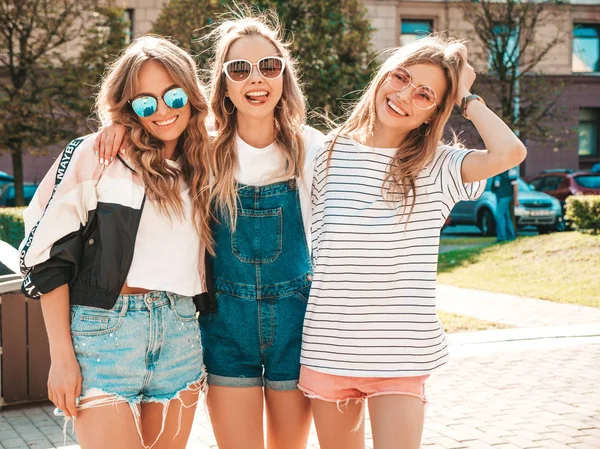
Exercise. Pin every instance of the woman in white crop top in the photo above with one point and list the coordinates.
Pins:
(124, 338)
(262, 159)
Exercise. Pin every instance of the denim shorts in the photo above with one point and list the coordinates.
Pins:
(145, 349)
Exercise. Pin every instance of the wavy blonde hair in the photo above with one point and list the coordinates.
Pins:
(289, 114)
(162, 182)
(419, 146)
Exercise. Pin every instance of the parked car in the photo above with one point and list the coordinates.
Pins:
(536, 209)
(562, 184)
(5, 178)
(7, 194)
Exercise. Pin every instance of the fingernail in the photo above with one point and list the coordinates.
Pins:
(106, 162)
(111, 158)
(101, 160)
(96, 153)
(122, 150)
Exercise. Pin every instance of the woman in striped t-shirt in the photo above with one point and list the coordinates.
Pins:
(382, 190)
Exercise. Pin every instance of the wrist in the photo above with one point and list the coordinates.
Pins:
(462, 94)
(466, 101)
(62, 350)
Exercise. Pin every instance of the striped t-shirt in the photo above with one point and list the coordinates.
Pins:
(371, 311)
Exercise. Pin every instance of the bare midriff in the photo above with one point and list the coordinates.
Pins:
(127, 290)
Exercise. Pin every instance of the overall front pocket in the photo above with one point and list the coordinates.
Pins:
(257, 236)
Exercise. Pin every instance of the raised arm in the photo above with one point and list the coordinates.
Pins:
(504, 150)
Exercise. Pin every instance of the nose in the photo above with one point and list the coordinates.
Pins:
(255, 76)
(405, 95)
(162, 108)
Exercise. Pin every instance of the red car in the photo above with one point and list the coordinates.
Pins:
(563, 183)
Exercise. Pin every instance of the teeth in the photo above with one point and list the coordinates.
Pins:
(166, 122)
(395, 108)
(257, 94)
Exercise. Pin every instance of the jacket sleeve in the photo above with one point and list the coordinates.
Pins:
(53, 220)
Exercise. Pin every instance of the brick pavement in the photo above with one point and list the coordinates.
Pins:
(505, 396)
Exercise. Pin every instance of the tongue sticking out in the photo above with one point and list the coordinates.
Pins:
(257, 98)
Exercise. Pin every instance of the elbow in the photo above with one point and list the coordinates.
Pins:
(518, 154)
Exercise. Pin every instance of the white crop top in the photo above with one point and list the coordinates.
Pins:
(167, 251)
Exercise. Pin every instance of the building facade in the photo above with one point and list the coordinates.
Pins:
(574, 141)
(574, 63)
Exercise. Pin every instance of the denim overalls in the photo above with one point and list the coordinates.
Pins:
(262, 276)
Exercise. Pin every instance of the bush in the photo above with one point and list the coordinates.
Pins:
(584, 212)
(12, 230)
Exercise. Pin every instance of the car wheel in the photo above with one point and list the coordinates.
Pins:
(487, 223)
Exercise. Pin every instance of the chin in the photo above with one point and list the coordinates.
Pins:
(169, 136)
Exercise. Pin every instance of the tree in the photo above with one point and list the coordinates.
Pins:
(44, 85)
(331, 39)
(513, 37)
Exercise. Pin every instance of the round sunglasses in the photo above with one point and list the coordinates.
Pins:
(146, 105)
(239, 70)
(423, 97)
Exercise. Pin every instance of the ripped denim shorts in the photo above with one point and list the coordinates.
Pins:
(145, 349)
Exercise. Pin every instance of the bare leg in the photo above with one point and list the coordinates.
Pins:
(335, 428)
(288, 419)
(396, 421)
(236, 414)
(177, 422)
(112, 426)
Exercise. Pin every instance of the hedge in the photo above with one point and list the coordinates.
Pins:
(11, 225)
(584, 212)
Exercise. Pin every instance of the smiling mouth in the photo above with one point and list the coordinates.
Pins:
(398, 110)
(257, 97)
(167, 122)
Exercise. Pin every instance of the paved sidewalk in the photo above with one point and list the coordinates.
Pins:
(534, 386)
(504, 397)
(515, 310)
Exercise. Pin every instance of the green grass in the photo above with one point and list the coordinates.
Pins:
(457, 241)
(562, 267)
(460, 323)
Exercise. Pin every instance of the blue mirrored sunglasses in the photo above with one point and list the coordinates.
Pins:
(146, 105)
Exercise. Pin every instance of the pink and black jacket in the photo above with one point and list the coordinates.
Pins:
(81, 226)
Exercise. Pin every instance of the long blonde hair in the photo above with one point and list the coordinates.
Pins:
(162, 182)
(289, 114)
(419, 146)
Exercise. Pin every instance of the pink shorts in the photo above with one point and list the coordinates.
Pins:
(332, 388)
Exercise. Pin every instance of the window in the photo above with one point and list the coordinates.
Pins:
(128, 20)
(589, 123)
(588, 181)
(537, 183)
(506, 45)
(552, 183)
(413, 30)
(586, 48)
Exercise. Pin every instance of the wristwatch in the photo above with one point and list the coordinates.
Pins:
(465, 102)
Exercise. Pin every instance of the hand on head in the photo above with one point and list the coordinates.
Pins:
(467, 72)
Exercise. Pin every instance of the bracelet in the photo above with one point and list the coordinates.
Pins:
(465, 102)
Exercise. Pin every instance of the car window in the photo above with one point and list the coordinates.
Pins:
(551, 183)
(588, 181)
(537, 183)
